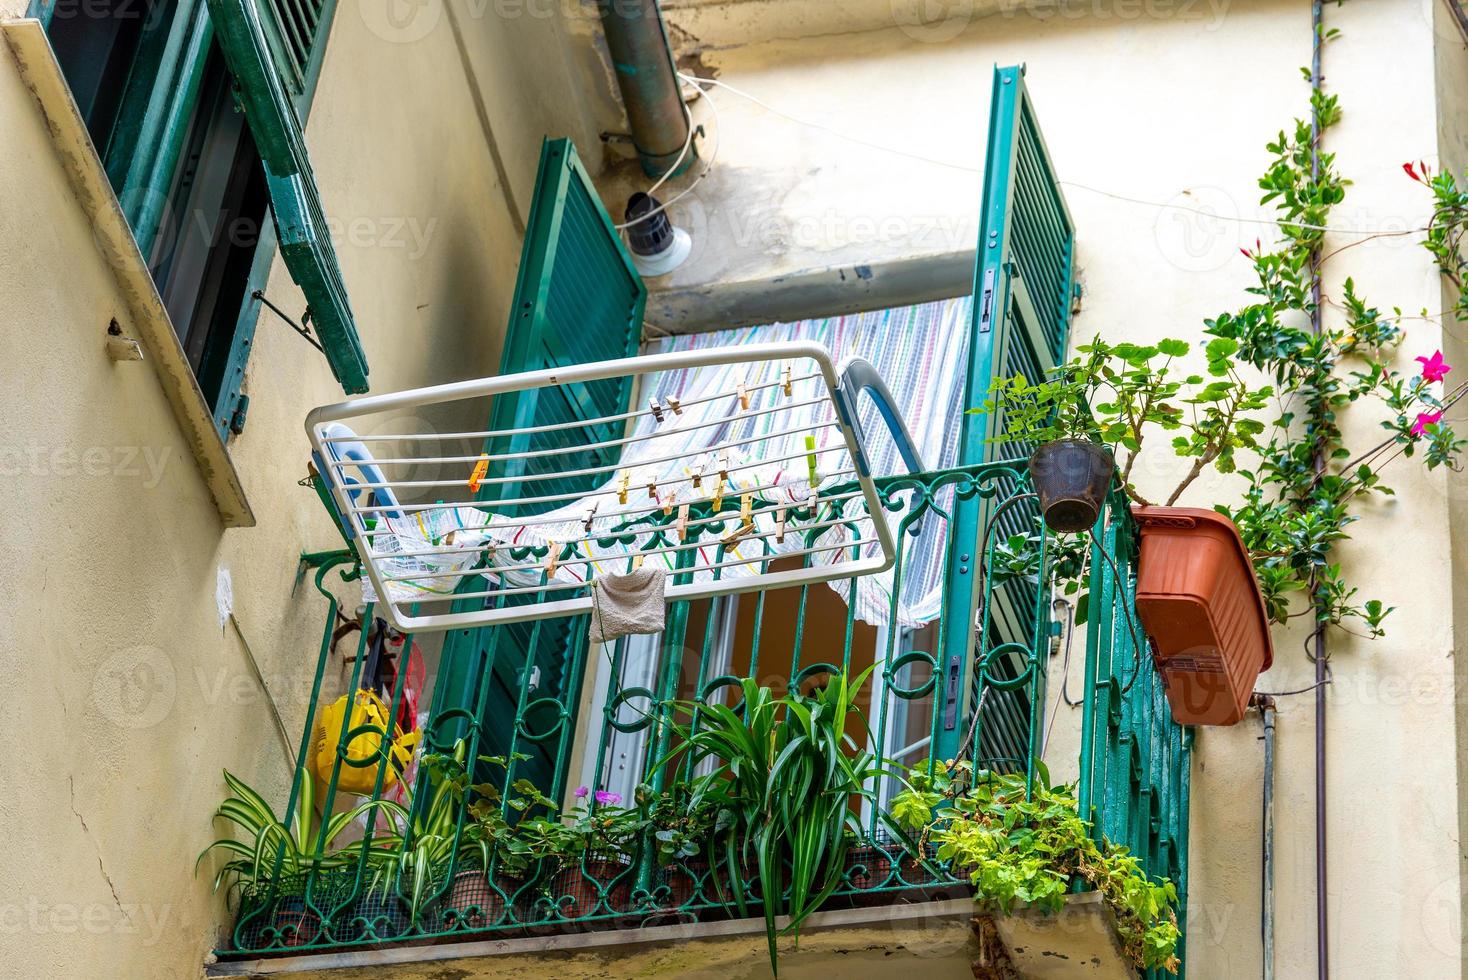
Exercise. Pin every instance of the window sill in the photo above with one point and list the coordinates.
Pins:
(42, 75)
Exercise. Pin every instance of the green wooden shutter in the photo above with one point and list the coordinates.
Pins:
(1021, 323)
(578, 298)
(270, 54)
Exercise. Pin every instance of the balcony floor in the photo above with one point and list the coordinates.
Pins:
(938, 937)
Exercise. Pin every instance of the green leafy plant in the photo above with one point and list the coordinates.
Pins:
(1022, 844)
(786, 776)
(1115, 394)
(1447, 229)
(294, 846)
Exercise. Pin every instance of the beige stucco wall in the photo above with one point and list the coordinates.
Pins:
(128, 694)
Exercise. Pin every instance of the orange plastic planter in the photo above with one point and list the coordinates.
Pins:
(1199, 602)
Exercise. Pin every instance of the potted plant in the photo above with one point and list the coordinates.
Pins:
(681, 819)
(273, 859)
(1197, 595)
(787, 773)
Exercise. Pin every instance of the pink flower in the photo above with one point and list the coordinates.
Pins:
(603, 798)
(581, 792)
(1434, 368)
(1424, 419)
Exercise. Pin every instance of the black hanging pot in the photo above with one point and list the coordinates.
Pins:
(1071, 477)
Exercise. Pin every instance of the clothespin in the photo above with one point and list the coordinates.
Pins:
(668, 501)
(746, 507)
(590, 516)
(657, 410)
(637, 560)
(810, 460)
(695, 478)
(779, 525)
(682, 522)
(814, 502)
(743, 393)
(673, 404)
(626, 485)
(552, 559)
(652, 489)
(723, 467)
(480, 468)
(789, 385)
(719, 497)
(742, 531)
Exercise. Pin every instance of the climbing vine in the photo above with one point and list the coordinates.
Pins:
(1308, 482)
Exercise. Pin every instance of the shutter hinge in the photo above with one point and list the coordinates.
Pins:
(237, 417)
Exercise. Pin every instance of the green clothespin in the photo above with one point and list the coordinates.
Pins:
(810, 459)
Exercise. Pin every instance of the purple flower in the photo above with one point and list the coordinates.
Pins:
(603, 798)
(581, 792)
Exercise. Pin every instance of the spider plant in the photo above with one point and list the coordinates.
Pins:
(271, 848)
(786, 775)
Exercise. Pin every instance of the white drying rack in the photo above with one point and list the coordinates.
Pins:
(437, 564)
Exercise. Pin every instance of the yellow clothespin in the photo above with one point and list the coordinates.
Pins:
(743, 393)
(637, 560)
(590, 516)
(682, 522)
(810, 460)
(626, 485)
(480, 468)
(674, 405)
(779, 525)
(657, 410)
(668, 502)
(719, 497)
(746, 507)
(789, 385)
(552, 559)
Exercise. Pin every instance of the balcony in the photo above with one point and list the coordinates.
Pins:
(455, 864)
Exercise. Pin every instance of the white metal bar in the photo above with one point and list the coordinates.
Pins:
(579, 423)
(556, 497)
(690, 570)
(697, 522)
(613, 468)
(499, 570)
(610, 443)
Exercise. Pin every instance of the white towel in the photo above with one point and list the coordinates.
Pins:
(624, 605)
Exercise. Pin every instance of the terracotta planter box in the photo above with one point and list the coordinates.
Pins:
(1199, 602)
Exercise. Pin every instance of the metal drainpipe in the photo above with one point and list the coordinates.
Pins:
(643, 60)
(1322, 906)
(1265, 704)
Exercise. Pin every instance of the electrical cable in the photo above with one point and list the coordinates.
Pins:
(949, 164)
(713, 157)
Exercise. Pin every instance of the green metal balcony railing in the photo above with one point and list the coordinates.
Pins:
(599, 719)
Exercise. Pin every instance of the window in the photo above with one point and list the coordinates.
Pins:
(152, 80)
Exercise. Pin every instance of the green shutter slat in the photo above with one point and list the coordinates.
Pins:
(268, 76)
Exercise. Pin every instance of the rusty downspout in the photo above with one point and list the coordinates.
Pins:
(648, 81)
(1266, 707)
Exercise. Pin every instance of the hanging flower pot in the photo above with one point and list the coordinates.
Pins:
(1071, 477)
(1200, 603)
